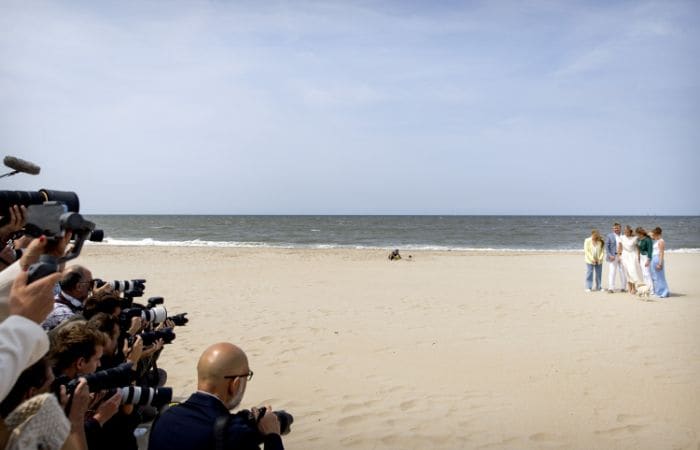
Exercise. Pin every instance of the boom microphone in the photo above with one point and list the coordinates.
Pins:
(20, 165)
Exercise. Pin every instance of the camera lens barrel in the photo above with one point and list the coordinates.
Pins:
(26, 198)
(145, 396)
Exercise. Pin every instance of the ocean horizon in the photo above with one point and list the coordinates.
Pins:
(498, 233)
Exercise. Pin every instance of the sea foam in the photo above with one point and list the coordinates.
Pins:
(148, 242)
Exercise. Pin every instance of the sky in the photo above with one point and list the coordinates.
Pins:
(411, 107)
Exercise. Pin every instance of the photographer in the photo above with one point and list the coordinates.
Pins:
(76, 283)
(204, 421)
(102, 302)
(22, 341)
(79, 348)
(37, 419)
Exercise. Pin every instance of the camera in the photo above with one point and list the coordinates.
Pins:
(156, 314)
(132, 288)
(149, 337)
(52, 220)
(26, 198)
(178, 319)
(284, 418)
(97, 381)
(144, 396)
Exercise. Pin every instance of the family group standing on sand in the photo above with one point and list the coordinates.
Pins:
(637, 257)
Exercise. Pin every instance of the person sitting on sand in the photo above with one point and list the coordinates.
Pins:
(394, 256)
(222, 375)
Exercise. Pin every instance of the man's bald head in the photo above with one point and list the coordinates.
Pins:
(218, 361)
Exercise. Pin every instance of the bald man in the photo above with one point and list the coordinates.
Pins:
(222, 375)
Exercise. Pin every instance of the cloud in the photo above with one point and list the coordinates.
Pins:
(313, 99)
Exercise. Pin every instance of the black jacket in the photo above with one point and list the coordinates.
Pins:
(190, 426)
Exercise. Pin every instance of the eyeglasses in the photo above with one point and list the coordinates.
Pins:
(88, 282)
(248, 375)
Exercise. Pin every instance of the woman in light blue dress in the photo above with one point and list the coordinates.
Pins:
(658, 265)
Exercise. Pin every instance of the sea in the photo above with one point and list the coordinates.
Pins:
(441, 233)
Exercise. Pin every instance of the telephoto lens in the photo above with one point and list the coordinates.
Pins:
(145, 396)
(157, 314)
(134, 288)
(26, 198)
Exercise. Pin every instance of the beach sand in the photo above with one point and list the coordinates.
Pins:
(452, 350)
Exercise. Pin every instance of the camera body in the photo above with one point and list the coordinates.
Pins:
(149, 337)
(283, 416)
(52, 220)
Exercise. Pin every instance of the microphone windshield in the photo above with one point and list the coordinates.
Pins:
(21, 165)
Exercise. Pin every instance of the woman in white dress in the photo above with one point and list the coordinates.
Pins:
(630, 259)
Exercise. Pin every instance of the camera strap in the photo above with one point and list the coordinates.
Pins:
(220, 427)
(60, 299)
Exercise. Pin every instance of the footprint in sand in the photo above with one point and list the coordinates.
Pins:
(355, 406)
(632, 424)
(350, 420)
(546, 438)
(409, 404)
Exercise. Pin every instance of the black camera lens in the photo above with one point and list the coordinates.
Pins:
(26, 198)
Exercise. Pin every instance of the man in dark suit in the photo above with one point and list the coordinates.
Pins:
(204, 422)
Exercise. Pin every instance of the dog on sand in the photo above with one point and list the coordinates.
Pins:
(643, 291)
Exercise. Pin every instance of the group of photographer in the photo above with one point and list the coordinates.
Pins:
(78, 356)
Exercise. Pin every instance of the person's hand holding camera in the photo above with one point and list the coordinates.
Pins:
(134, 353)
(18, 218)
(33, 301)
(151, 349)
(108, 408)
(40, 246)
(135, 327)
(268, 423)
(167, 323)
(7, 256)
(104, 289)
(80, 401)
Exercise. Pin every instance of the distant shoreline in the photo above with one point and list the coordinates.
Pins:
(149, 243)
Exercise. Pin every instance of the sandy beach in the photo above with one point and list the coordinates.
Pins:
(448, 351)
